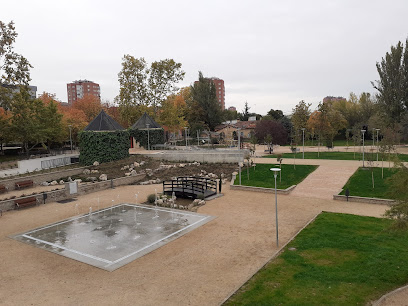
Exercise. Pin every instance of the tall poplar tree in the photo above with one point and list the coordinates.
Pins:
(393, 83)
(204, 93)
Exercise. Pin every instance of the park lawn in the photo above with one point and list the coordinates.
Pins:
(336, 155)
(340, 259)
(360, 183)
(261, 176)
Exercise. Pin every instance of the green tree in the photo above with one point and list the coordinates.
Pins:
(26, 120)
(142, 87)
(398, 191)
(14, 68)
(163, 75)
(300, 116)
(51, 122)
(204, 93)
(393, 83)
(275, 114)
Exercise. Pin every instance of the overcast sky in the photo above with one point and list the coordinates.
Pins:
(270, 53)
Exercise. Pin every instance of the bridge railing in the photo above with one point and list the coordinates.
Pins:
(190, 185)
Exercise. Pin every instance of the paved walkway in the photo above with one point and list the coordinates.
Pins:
(324, 182)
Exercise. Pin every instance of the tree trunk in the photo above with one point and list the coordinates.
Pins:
(382, 167)
(372, 177)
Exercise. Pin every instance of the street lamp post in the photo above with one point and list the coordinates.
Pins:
(303, 130)
(239, 138)
(70, 136)
(275, 174)
(363, 131)
(377, 142)
(148, 136)
(185, 135)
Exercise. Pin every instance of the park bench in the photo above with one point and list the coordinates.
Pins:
(24, 184)
(3, 189)
(24, 202)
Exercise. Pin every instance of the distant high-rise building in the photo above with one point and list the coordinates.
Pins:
(333, 99)
(78, 89)
(32, 90)
(220, 90)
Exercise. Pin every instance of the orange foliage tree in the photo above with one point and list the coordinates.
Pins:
(90, 105)
(172, 113)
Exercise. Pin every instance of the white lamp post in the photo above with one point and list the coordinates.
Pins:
(303, 130)
(363, 131)
(148, 136)
(377, 142)
(275, 174)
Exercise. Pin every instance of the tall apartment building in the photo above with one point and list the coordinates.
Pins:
(77, 89)
(220, 91)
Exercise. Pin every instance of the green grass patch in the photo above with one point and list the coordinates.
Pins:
(339, 259)
(360, 183)
(261, 176)
(337, 156)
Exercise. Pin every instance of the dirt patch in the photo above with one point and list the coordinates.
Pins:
(328, 257)
(115, 169)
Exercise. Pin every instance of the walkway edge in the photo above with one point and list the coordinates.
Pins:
(385, 296)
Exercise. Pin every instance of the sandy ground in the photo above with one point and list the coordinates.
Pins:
(201, 268)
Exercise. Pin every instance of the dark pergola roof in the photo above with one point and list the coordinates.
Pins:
(143, 121)
(103, 122)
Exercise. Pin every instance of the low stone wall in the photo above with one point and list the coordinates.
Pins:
(39, 178)
(260, 189)
(62, 194)
(207, 156)
(338, 197)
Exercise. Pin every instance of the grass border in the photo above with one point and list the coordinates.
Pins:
(276, 254)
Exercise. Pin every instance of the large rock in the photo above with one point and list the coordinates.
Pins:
(103, 177)
(86, 171)
(94, 171)
(45, 184)
(61, 182)
(133, 172)
(53, 183)
(136, 164)
(96, 163)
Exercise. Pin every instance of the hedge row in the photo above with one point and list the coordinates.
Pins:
(103, 146)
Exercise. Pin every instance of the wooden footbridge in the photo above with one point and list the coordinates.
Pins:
(190, 187)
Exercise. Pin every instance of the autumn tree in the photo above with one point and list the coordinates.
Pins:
(74, 119)
(172, 113)
(204, 93)
(393, 83)
(331, 122)
(90, 105)
(14, 68)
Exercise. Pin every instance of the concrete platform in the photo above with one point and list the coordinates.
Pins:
(112, 237)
